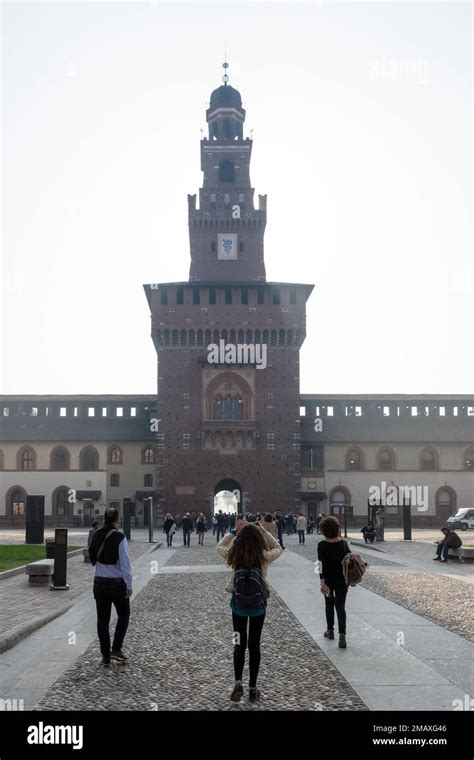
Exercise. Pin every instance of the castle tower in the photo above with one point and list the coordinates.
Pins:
(228, 344)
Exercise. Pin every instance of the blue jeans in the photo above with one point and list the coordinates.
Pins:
(301, 536)
(186, 537)
(442, 548)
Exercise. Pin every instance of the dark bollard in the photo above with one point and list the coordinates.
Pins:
(148, 505)
(406, 521)
(34, 520)
(60, 560)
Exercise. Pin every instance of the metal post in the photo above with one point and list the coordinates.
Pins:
(406, 519)
(126, 518)
(345, 520)
(150, 519)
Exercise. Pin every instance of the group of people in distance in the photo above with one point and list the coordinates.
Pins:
(221, 522)
(187, 524)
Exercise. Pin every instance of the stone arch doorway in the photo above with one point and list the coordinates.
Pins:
(225, 498)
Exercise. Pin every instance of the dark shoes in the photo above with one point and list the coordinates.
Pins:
(443, 560)
(254, 694)
(342, 641)
(237, 692)
(117, 654)
(436, 559)
(328, 634)
(106, 662)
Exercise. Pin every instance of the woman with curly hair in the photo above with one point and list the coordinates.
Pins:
(249, 553)
(331, 551)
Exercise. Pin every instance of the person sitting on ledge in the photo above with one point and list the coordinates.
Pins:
(451, 540)
(368, 531)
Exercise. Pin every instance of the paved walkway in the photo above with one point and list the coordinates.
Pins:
(427, 670)
(396, 659)
(33, 665)
(20, 602)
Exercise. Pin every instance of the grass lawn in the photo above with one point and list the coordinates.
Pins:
(17, 555)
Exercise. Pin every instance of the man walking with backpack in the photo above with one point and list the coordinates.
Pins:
(108, 552)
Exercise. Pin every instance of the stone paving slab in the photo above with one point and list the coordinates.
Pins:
(181, 640)
(29, 668)
(20, 601)
(375, 664)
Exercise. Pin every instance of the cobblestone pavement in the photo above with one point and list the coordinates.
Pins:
(446, 601)
(180, 635)
(20, 602)
(195, 555)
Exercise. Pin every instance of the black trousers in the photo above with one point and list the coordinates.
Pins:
(220, 533)
(108, 592)
(337, 599)
(241, 639)
(186, 537)
(169, 539)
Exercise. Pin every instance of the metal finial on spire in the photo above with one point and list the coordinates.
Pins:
(225, 66)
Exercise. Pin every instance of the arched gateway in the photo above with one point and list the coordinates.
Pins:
(228, 496)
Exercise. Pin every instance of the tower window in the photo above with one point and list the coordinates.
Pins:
(213, 197)
(260, 296)
(241, 198)
(212, 295)
(241, 247)
(164, 297)
(228, 296)
(226, 171)
(244, 296)
(226, 198)
(228, 408)
(292, 295)
(276, 296)
(196, 297)
(180, 296)
(213, 246)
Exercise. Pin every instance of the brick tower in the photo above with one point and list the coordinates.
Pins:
(228, 344)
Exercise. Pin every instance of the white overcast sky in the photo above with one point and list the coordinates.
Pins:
(362, 140)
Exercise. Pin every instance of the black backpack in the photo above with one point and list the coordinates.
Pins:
(249, 589)
(95, 550)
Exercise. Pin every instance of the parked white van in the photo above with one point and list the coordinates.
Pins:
(463, 519)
